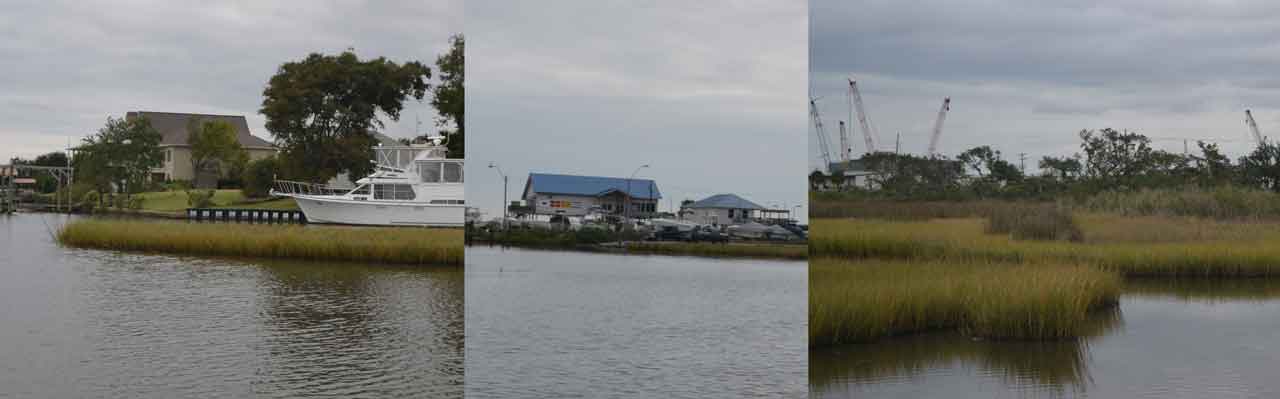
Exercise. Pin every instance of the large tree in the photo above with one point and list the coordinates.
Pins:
(1114, 158)
(213, 146)
(121, 154)
(321, 110)
(448, 97)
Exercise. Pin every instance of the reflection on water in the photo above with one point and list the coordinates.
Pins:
(546, 324)
(86, 323)
(1175, 339)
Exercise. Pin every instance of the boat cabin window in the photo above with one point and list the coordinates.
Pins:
(362, 190)
(440, 171)
(393, 192)
(452, 172)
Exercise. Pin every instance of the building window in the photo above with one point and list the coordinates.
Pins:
(730, 214)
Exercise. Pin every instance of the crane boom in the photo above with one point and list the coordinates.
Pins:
(937, 126)
(1253, 127)
(844, 143)
(823, 145)
(863, 120)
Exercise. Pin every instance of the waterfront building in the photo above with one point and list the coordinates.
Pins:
(175, 144)
(572, 195)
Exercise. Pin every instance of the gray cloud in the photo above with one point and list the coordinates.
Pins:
(709, 93)
(69, 65)
(1026, 75)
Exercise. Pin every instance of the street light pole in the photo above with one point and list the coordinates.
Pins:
(504, 193)
(627, 211)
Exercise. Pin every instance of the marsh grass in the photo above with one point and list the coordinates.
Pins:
(1034, 222)
(964, 240)
(383, 245)
(1225, 202)
(773, 251)
(881, 209)
(861, 301)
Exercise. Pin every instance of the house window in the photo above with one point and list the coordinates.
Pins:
(730, 214)
(168, 155)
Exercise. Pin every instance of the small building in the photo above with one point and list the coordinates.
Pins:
(571, 195)
(722, 209)
(176, 146)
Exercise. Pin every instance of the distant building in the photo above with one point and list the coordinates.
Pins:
(176, 146)
(722, 209)
(570, 195)
(852, 173)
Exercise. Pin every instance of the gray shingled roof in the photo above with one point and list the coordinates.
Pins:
(725, 201)
(173, 127)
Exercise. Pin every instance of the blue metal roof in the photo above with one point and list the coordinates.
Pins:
(725, 201)
(547, 183)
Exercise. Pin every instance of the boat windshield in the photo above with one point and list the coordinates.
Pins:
(362, 190)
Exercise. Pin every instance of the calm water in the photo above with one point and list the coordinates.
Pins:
(87, 323)
(1170, 340)
(572, 325)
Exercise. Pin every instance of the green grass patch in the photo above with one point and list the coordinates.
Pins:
(865, 300)
(382, 245)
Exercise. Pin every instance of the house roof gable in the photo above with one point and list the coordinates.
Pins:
(173, 127)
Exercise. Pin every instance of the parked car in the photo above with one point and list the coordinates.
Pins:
(708, 234)
(670, 233)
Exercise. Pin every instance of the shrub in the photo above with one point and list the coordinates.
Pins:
(178, 185)
(90, 201)
(200, 198)
(136, 202)
(258, 177)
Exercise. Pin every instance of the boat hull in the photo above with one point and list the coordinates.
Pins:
(375, 213)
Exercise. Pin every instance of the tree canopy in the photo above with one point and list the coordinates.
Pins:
(321, 110)
(213, 145)
(121, 153)
(448, 97)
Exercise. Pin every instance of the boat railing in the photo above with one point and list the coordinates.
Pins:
(289, 187)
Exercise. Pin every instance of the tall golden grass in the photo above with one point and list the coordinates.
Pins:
(1226, 202)
(864, 300)
(1132, 254)
(383, 245)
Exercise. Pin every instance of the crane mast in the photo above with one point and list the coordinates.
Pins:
(1253, 126)
(856, 100)
(844, 143)
(937, 126)
(823, 145)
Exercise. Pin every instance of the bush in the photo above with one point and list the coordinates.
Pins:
(90, 201)
(200, 198)
(258, 177)
(136, 202)
(1034, 222)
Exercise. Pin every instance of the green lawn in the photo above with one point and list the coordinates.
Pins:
(174, 201)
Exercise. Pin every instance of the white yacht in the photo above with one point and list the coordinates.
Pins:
(414, 185)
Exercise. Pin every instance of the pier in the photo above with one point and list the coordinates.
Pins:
(246, 215)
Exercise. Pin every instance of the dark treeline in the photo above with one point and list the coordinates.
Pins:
(1109, 160)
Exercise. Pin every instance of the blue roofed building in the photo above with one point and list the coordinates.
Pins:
(572, 195)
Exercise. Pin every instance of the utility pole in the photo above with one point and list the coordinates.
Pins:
(1022, 158)
(504, 194)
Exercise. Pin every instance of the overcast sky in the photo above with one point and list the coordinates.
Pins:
(1026, 76)
(68, 65)
(710, 93)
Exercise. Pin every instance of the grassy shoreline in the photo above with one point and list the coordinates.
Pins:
(861, 301)
(381, 245)
(615, 243)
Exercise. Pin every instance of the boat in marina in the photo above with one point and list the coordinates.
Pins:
(413, 185)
